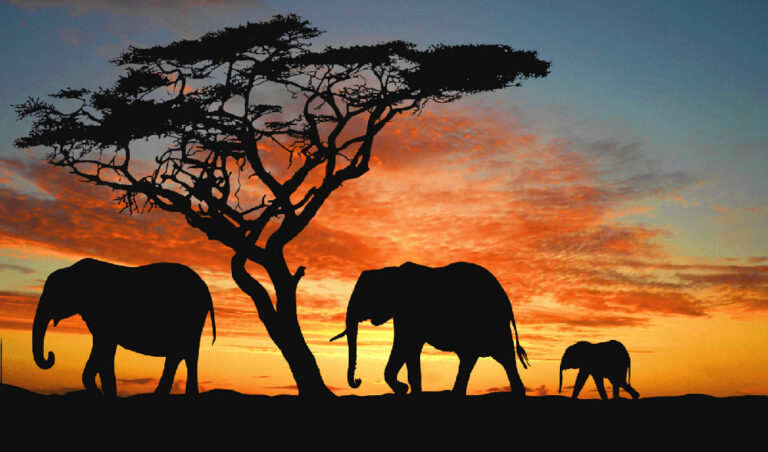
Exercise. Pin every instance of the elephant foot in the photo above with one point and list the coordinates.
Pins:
(93, 394)
(191, 392)
(93, 389)
(399, 387)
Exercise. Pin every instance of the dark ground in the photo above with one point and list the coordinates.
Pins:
(230, 420)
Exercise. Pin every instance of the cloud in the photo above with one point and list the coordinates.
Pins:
(540, 391)
(137, 381)
(16, 268)
(131, 20)
(498, 389)
(294, 388)
(727, 214)
(586, 318)
(17, 309)
(743, 277)
(125, 6)
(180, 386)
(71, 217)
(72, 37)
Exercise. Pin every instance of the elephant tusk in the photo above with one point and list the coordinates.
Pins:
(340, 335)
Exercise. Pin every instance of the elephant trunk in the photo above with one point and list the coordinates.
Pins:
(562, 366)
(38, 337)
(352, 343)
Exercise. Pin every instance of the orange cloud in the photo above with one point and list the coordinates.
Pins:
(74, 218)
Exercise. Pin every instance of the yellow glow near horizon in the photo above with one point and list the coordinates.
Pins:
(679, 357)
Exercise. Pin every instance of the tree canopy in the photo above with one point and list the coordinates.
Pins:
(203, 95)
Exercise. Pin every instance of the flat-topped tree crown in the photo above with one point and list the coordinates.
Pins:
(202, 101)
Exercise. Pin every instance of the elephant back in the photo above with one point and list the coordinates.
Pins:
(169, 300)
(471, 308)
(480, 290)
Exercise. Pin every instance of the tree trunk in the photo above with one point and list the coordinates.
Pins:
(282, 322)
(286, 333)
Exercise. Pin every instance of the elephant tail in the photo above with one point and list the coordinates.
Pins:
(213, 320)
(213, 325)
(519, 348)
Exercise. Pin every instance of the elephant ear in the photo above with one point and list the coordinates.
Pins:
(386, 288)
(582, 352)
(367, 297)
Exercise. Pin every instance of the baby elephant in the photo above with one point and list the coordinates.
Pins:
(156, 309)
(603, 360)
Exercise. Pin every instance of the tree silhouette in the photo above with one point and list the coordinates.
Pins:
(201, 103)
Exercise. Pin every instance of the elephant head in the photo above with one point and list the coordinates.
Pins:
(373, 298)
(58, 301)
(573, 358)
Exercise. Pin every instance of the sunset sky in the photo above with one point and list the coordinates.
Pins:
(621, 197)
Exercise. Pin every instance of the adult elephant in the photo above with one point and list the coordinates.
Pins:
(158, 310)
(602, 360)
(460, 307)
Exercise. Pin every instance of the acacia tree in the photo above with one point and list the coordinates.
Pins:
(201, 102)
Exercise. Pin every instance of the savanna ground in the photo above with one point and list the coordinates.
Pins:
(231, 420)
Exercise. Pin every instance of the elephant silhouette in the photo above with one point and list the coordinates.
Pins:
(157, 309)
(460, 307)
(602, 360)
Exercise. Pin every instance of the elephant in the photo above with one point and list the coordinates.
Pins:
(602, 360)
(157, 309)
(461, 308)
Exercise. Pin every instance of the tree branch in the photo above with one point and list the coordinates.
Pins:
(252, 287)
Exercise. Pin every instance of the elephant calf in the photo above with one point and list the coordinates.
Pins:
(158, 310)
(603, 360)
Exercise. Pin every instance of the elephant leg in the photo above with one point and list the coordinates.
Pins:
(630, 390)
(395, 363)
(600, 387)
(413, 363)
(616, 385)
(169, 371)
(105, 358)
(507, 360)
(89, 373)
(191, 361)
(466, 364)
(581, 378)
